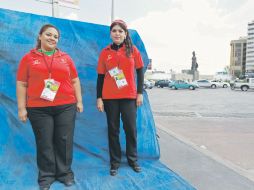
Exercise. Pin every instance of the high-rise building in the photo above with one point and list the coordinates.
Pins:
(238, 57)
(250, 51)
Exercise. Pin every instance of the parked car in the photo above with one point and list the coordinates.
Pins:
(162, 83)
(182, 84)
(152, 82)
(206, 84)
(244, 85)
(221, 83)
(148, 84)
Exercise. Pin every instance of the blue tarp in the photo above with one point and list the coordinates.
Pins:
(83, 41)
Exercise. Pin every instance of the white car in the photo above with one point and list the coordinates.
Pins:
(221, 83)
(244, 85)
(207, 84)
(148, 84)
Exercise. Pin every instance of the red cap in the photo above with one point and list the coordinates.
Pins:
(119, 21)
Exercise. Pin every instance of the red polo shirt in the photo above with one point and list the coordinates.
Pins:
(109, 59)
(33, 70)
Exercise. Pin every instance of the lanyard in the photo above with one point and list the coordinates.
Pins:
(117, 57)
(46, 63)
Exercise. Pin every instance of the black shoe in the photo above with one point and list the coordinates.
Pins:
(135, 167)
(69, 182)
(44, 187)
(113, 170)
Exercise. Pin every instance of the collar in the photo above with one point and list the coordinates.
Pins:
(116, 47)
(57, 53)
(49, 53)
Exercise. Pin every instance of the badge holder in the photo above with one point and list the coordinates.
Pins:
(119, 77)
(50, 89)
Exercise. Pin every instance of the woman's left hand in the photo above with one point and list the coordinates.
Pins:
(139, 100)
(79, 107)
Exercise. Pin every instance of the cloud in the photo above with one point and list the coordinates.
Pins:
(193, 26)
(227, 6)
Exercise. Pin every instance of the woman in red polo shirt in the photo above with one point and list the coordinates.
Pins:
(49, 94)
(117, 93)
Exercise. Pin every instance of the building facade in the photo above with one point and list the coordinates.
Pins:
(157, 75)
(250, 51)
(238, 57)
(222, 76)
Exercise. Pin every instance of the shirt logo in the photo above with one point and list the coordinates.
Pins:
(36, 62)
(109, 57)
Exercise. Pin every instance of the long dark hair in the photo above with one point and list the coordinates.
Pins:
(43, 28)
(127, 40)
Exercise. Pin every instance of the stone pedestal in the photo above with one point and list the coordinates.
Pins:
(195, 75)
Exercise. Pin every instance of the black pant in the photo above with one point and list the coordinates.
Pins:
(127, 109)
(53, 129)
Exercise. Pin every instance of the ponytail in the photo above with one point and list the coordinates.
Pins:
(128, 45)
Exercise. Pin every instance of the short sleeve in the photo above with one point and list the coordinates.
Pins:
(101, 68)
(138, 59)
(73, 70)
(22, 72)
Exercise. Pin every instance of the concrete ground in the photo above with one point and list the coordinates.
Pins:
(207, 135)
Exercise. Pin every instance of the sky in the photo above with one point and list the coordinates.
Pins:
(170, 29)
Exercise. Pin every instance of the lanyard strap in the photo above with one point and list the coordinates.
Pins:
(117, 61)
(46, 63)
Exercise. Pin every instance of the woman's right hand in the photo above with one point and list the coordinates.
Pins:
(100, 105)
(22, 113)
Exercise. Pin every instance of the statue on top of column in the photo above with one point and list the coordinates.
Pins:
(194, 65)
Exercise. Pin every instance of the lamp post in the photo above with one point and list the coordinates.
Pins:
(72, 4)
(112, 11)
(55, 11)
(54, 6)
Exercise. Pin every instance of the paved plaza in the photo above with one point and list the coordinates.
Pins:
(207, 135)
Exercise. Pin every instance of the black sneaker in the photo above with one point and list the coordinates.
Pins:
(135, 167)
(113, 170)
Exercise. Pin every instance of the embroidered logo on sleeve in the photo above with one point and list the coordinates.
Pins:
(63, 61)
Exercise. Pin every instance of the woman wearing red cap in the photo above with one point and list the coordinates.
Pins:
(118, 95)
(49, 94)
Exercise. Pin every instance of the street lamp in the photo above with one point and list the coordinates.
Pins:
(73, 4)
(54, 4)
(112, 11)
(55, 11)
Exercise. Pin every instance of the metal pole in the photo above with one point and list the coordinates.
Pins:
(54, 8)
(53, 11)
(112, 11)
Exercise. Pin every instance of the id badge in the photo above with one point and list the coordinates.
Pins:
(113, 72)
(120, 79)
(50, 89)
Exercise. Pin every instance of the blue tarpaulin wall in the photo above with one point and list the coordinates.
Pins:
(83, 41)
